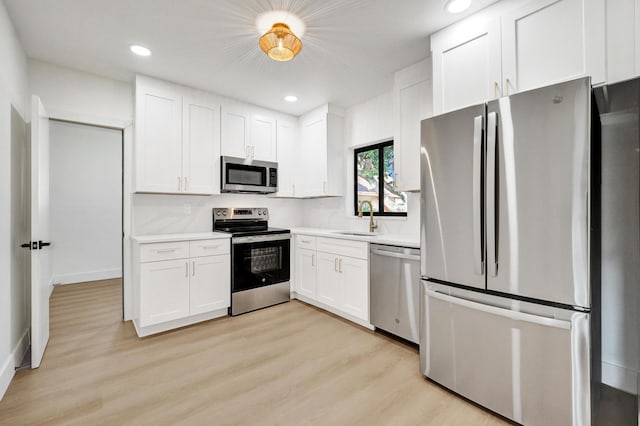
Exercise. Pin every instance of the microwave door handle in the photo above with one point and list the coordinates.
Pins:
(492, 252)
(478, 266)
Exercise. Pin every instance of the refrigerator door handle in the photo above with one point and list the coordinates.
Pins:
(478, 265)
(503, 312)
(492, 253)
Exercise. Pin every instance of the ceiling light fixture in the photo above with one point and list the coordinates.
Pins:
(140, 50)
(457, 6)
(290, 98)
(280, 43)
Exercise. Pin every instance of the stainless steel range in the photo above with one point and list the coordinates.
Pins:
(260, 262)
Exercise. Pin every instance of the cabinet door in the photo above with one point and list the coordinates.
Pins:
(355, 276)
(210, 287)
(158, 142)
(548, 41)
(329, 283)
(234, 141)
(622, 49)
(201, 146)
(263, 138)
(164, 291)
(413, 99)
(287, 158)
(306, 273)
(466, 65)
(313, 163)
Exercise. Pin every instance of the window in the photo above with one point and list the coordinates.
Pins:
(374, 181)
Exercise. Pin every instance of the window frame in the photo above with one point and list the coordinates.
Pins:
(380, 147)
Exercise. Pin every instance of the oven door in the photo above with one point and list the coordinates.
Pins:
(259, 261)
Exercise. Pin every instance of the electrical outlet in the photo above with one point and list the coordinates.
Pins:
(187, 209)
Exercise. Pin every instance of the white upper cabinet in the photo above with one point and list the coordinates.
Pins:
(466, 64)
(321, 153)
(201, 145)
(511, 47)
(286, 137)
(177, 139)
(158, 141)
(548, 41)
(623, 39)
(235, 133)
(413, 102)
(248, 135)
(263, 138)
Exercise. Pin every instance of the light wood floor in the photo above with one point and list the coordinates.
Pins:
(288, 364)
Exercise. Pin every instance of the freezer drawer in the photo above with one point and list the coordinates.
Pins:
(530, 368)
(395, 290)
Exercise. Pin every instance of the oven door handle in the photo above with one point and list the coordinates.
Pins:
(260, 238)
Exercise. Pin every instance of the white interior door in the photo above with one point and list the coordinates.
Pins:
(40, 254)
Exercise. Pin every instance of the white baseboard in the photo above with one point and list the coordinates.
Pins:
(81, 277)
(620, 378)
(8, 369)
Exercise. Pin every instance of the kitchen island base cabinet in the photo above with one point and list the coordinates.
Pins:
(176, 284)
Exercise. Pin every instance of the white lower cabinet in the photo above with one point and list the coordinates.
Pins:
(176, 284)
(306, 278)
(164, 291)
(327, 277)
(207, 291)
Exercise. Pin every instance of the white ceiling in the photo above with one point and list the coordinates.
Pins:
(350, 47)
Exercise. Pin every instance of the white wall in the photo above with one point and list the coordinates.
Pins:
(13, 91)
(86, 202)
(365, 123)
(79, 96)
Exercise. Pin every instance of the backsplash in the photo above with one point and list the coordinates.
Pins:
(166, 214)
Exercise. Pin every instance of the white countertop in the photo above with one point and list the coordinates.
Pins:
(165, 238)
(389, 239)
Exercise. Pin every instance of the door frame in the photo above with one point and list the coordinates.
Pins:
(126, 126)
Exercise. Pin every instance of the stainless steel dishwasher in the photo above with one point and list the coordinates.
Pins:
(395, 290)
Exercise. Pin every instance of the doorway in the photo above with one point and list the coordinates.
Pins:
(86, 192)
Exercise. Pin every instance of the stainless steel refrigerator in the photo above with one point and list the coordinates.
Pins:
(509, 253)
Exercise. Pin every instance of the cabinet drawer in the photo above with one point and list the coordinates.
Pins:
(164, 251)
(306, 242)
(209, 247)
(357, 249)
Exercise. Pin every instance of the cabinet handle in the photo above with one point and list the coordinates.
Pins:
(185, 184)
(253, 151)
(340, 266)
(186, 269)
(179, 186)
(210, 247)
(495, 90)
(313, 260)
(324, 187)
(246, 151)
(193, 271)
(293, 189)
(171, 250)
(335, 264)
(506, 83)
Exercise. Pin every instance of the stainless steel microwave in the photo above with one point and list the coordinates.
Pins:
(242, 175)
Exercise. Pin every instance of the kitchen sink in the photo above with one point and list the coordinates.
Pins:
(355, 234)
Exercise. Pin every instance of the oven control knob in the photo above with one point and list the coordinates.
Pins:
(224, 213)
(259, 212)
(264, 212)
(218, 213)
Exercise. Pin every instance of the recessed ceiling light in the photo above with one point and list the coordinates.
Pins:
(290, 98)
(140, 50)
(457, 6)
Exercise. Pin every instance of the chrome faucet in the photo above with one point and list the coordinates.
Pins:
(372, 225)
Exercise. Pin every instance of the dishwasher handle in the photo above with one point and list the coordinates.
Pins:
(395, 255)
